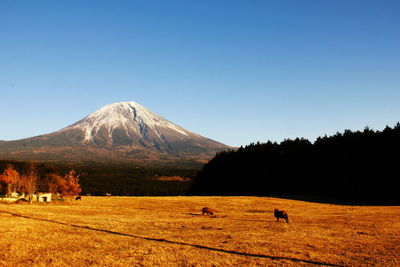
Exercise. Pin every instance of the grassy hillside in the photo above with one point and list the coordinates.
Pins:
(170, 231)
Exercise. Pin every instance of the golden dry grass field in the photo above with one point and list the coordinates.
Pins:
(170, 231)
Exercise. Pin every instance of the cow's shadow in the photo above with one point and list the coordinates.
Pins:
(193, 214)
(205, 216)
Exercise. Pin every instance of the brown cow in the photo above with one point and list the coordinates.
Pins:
(281, 214)
(208, 211)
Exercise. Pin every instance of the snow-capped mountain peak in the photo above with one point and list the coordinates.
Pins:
(130, 117)
(124, 131)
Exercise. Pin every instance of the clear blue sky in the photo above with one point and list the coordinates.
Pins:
(234, 71)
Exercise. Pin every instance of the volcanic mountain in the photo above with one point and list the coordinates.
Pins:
(124, 131)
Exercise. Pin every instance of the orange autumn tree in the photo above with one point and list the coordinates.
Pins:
(11, 178)
(72, 186)
(54, 183)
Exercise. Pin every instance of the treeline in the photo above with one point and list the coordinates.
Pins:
(27, 178)
(119, 179)
(355, 166)
(130, 180)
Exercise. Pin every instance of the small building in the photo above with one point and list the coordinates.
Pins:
(39, 197)
(17, 195)
(12, 198)
(43, 197)
(8, 199)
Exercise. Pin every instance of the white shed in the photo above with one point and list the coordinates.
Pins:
(43, 197)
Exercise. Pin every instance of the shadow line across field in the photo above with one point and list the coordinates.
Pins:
(173, 242)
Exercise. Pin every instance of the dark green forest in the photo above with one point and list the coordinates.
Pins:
(361, 166)
(117, 179)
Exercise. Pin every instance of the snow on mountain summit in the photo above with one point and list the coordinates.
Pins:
(131, 120)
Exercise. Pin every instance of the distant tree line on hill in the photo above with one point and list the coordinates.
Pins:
(356, 166)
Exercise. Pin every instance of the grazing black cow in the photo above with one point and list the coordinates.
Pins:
(281, 214)
(208, 211)
(78, 198)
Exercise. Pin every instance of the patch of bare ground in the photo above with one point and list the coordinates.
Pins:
(172, 178)
(171, 231)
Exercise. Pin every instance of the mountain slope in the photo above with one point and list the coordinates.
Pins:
(124, 131)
